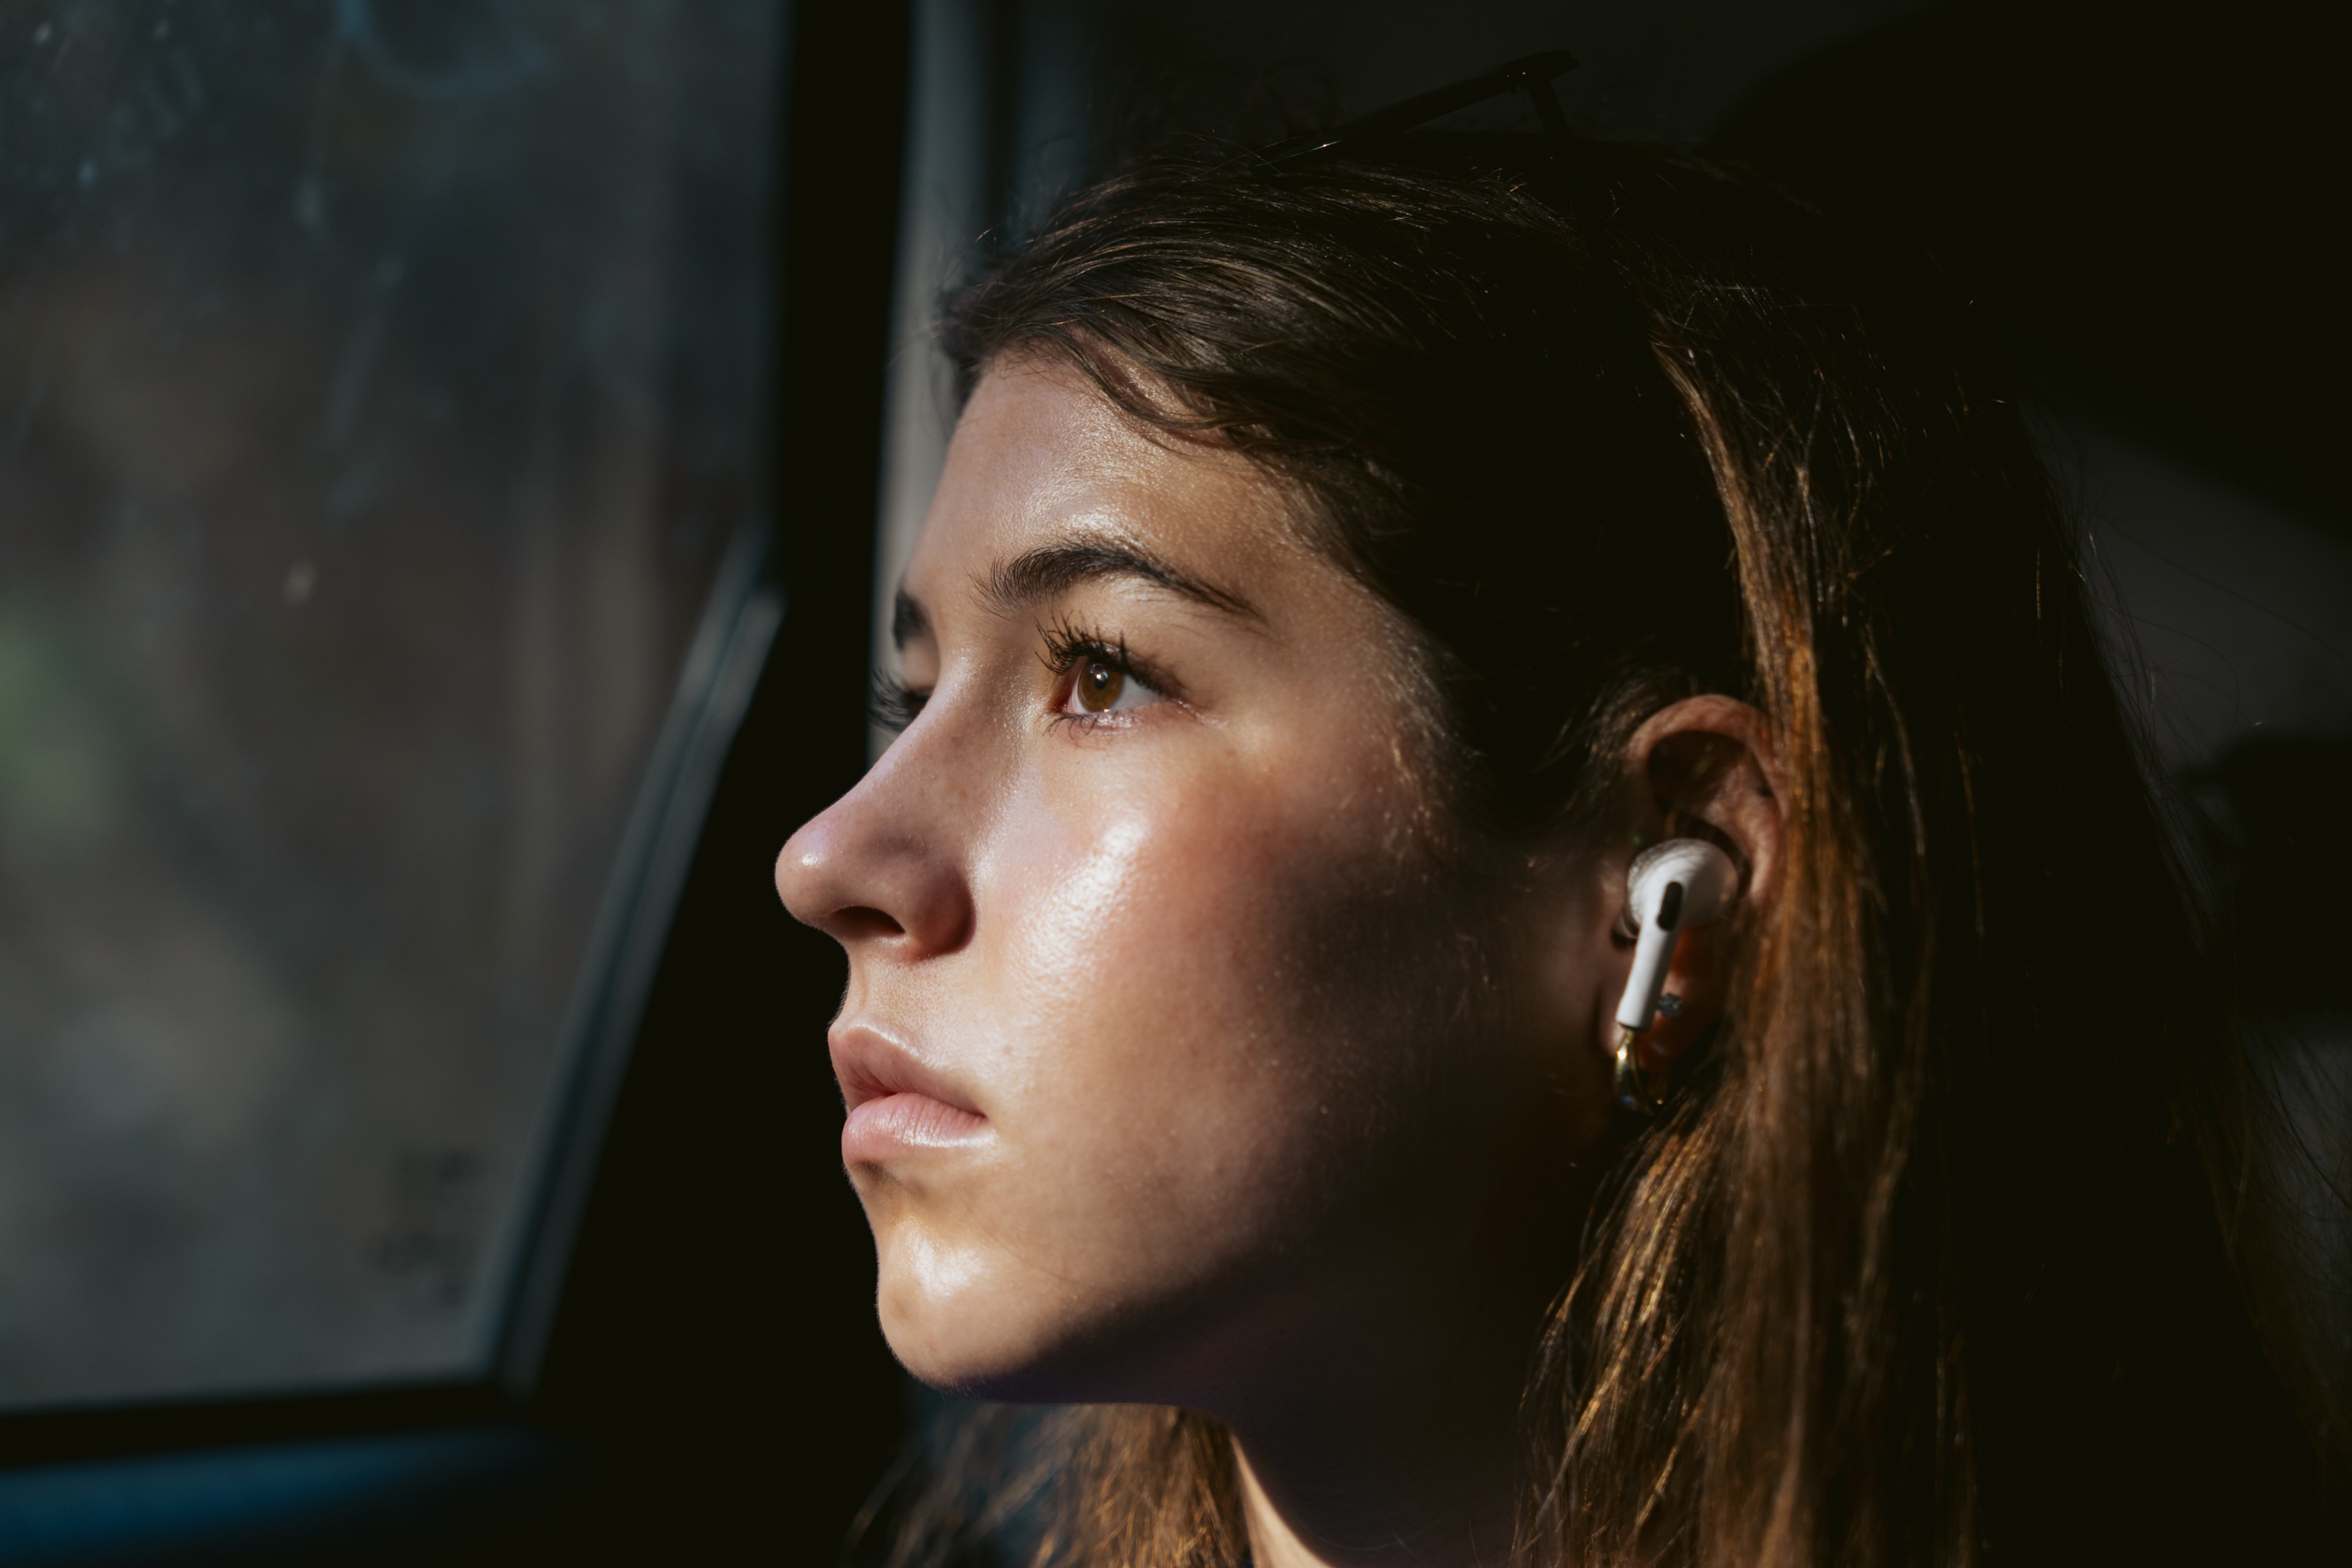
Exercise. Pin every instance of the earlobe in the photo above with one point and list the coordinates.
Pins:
(1690, 1007)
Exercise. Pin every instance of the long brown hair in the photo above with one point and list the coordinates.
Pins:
(1946, 1251)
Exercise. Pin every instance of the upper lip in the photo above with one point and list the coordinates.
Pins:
(870, 1065)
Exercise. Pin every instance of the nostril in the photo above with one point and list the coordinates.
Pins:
(859, 921)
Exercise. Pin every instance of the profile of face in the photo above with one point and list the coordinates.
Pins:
(1180, 1038)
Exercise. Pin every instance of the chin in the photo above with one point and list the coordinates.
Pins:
(980, 1349)
(973, 1323)
(954, 1322)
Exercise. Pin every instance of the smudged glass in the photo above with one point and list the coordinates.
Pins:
(377, 398)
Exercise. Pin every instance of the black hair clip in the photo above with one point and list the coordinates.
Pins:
(1530, 74)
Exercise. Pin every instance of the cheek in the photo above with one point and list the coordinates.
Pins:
(1202, 1020)
(1156, 950)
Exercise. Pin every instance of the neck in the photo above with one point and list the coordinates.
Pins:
(1429, 1480)
(1379, 1422)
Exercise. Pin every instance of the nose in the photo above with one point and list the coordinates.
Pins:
(878, 868)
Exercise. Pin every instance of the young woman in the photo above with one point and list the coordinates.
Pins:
(1344, 569)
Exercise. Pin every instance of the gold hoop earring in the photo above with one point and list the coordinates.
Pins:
(1632, 1086)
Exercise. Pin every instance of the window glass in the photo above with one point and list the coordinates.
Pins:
(377, 398)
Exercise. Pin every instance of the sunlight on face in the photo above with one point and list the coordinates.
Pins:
(1160, 1013)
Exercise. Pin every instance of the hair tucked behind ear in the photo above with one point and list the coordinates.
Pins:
(1945, 1254)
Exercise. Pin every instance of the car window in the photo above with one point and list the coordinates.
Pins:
(378, 398)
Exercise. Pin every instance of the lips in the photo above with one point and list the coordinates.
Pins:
(898, 1105)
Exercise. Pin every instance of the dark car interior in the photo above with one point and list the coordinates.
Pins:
(451, 454)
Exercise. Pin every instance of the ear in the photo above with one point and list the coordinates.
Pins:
(1703, 767)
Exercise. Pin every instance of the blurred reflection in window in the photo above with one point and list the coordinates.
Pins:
(377, 396)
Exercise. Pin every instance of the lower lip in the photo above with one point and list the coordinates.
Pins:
(898, 1124)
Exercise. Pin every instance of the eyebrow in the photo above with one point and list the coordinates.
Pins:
(1039, 574)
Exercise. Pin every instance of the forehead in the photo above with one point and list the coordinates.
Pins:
(1040, 458)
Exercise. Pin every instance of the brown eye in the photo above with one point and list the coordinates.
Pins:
(1099, 685)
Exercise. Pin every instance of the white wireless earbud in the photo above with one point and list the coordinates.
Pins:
(1672, 887)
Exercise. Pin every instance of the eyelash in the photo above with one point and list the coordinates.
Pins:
(894, 704)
